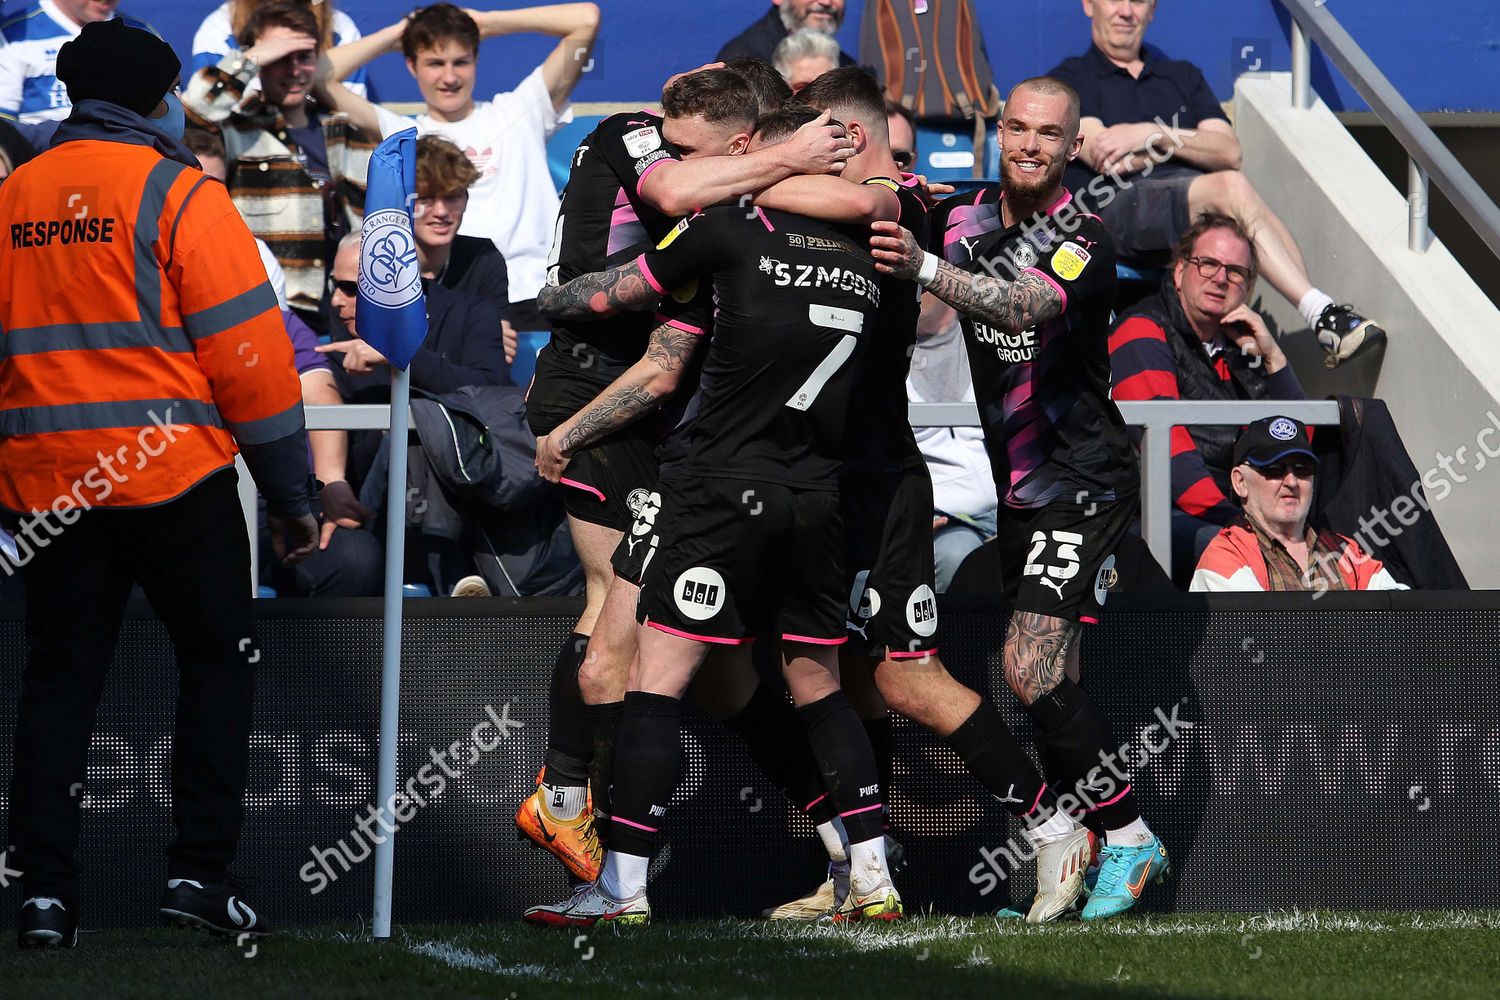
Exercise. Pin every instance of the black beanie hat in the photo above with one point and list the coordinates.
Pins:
(110, 61)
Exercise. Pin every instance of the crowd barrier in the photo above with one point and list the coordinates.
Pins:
(1341, 753)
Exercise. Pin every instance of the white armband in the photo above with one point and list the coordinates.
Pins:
(928, 270)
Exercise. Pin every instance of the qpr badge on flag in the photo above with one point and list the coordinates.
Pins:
(392, 316)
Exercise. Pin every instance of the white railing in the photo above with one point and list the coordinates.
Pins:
(1156, 420)
(1427, 157)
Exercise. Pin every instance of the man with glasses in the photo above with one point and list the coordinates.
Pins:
(1272, 547)
(1197, 339)
(1147, 183)
(901, 124)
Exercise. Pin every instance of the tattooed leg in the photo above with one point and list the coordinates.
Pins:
(1036, 653)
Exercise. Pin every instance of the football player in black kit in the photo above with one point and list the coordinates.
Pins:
(1034, 281)
(629, 179)
(885, 494)
(748, 526)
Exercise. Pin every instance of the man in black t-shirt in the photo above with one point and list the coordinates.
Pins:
(1034, 283)
(748, 523)
(628, 177)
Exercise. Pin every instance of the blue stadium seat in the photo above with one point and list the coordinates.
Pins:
(1148, 275)
(264, 591)
(524, 366)
(947, 153)
(415, 590)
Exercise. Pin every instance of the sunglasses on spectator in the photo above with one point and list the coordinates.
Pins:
(904, 158)
(349, 288)
(1278, 470)
(1208, 267)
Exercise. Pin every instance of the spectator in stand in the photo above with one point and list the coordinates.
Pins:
(903, 129)
(770, 89)
(208, 147)
(1273, 547)
(963, 489)
(346, 563)
(218, 35)
(514, 202)
(464, 345)
(465, 264)
(784, 17)
(15, 148)
(1196, 338)
(295, 170)
(29, 39)
(803, 56)
(1128, 93)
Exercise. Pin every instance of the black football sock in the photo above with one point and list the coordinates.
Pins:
(1076, 738)
(569, 743)
(648, 759)
(882, 734)
(777, 743)
(847, 763)
(603, 721)
(993, 756)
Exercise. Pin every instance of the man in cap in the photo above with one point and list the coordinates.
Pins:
(1273, 547)
(120, 415)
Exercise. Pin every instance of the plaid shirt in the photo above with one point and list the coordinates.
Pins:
(1285, 573)
(282, 203)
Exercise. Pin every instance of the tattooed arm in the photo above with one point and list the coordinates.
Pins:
(593, 296)
(634, 393)
(1037, 653)
(1012, 306)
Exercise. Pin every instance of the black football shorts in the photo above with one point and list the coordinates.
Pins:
(736, 557)
(1059, 559)
(888, 562)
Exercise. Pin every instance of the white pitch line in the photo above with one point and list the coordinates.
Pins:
(463, 958)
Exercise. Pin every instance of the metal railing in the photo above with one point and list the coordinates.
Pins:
(1155, 418)
(1428, 158)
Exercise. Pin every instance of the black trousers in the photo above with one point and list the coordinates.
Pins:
(191, 556)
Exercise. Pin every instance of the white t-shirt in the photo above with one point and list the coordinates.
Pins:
(514, 202)
(274, 273)
(214, 40)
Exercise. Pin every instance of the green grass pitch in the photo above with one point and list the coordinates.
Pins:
(1327, 956)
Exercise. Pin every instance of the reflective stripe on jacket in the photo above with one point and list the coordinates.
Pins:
(139, 336)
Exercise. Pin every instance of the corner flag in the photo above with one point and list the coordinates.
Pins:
(392, 313)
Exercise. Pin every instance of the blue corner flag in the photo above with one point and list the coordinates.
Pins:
(392, 312)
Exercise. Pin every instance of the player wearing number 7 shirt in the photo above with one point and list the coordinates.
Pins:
(749, 528)
(1034, 282)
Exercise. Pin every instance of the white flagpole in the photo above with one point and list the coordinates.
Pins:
(390, 667)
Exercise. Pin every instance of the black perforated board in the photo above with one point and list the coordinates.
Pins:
(1344, 755)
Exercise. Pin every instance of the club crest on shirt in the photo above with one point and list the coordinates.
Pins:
(1022, 255)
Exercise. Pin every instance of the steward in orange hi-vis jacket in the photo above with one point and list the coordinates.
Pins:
(137, 314)
(140, 341)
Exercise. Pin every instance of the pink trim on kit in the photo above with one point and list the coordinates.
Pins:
(816, 642)
(1049, 280)
(650, 278)
(1111, 801)
(696, 638)
(583, 486)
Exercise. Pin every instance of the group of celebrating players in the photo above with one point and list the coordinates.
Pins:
(724, 401)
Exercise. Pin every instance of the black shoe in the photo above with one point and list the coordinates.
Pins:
(46, 923)
(1343, 333)
(217, 907)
